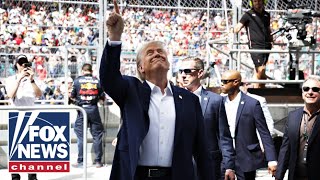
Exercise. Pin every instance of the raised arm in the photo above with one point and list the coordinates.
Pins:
(111, 79)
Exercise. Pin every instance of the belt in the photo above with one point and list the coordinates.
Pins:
(153, 171)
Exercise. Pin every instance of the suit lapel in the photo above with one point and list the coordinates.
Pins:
(315, 130)
(204, 101)
(240, 108)
(296, 126)
(145, 96)
(178, 98)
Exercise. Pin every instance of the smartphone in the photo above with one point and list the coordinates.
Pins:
(25, 65)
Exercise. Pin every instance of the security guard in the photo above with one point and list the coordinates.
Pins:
(86, 93)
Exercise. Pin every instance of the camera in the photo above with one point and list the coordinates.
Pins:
(25, 65)
(297, 19)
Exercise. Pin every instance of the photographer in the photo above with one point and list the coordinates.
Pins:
(22, 91)
(257, 23)
(21, 88)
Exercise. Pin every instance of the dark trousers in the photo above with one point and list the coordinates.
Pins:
(96, 130)
(30, 176)
(251, 175)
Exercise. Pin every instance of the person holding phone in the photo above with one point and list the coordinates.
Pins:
(22, 90)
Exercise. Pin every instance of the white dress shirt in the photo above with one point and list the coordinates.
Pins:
(157, 147)
(198, 93)
(231, 111)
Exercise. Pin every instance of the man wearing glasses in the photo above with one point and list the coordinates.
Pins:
(300, 147)
(245, 116)
(215, 119)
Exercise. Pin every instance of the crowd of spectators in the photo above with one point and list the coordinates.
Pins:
(44, 31)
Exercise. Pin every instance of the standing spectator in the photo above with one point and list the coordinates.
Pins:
(162, 125)
(48, 92)
(257, 23)
(245, 116)
(22, 91)
(87, 93)
(300, 148)
(215, 119)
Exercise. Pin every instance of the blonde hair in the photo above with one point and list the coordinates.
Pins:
(199, 64)
(313, 77)
(140, 55)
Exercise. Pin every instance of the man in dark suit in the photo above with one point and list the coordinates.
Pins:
(300, 147)
(162, 126)
(245, 118)
(216, 123)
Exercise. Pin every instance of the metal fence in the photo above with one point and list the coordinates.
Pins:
(42, 29)
(185, 27)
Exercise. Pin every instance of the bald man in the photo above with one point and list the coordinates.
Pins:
(245, 116)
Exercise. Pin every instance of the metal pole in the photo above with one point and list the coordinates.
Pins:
(297, 65)
(101, 35)
(66, 94)
(207, 45)
(226, 14)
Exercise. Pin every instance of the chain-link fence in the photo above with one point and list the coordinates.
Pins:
(185, 27)
(42, 30)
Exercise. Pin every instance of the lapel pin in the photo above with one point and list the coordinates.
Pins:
(205, 99)
(180, 96)
(242, 102)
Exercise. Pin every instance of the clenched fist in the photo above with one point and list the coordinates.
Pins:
(115, 24)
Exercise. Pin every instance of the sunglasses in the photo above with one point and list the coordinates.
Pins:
(314, 89)
(187, 71)
(226, 81)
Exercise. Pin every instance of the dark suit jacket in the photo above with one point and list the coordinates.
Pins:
(249, 156)
(290, 146)
(220, 141)
(133, 98)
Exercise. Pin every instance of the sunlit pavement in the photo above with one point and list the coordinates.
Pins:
(94, 173)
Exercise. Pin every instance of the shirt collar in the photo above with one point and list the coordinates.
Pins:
(168, 89)
(198, 91)
(235, 100)
(305, 111)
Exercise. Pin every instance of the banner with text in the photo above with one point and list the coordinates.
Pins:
(39, 141)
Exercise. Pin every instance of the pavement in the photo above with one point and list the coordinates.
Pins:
(94, 173)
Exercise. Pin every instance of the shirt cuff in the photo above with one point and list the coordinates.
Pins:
(272, 163)
(113, 43)
(229, 170)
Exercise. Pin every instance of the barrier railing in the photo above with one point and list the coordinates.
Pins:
(277, 132)
(60, 107)
(296, 51)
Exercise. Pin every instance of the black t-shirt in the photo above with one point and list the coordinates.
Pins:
(87, 90)
(258, 29)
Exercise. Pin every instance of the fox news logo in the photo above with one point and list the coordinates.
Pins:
(39, 141)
